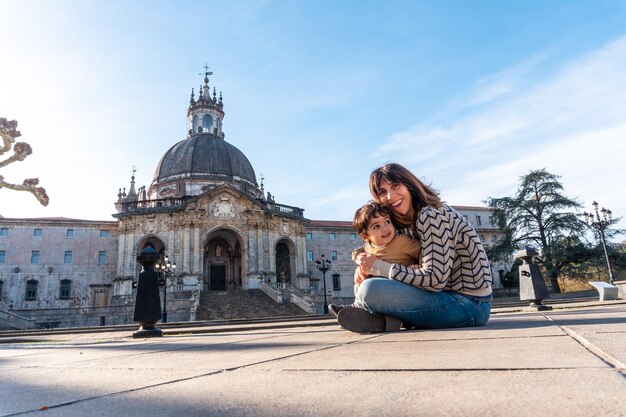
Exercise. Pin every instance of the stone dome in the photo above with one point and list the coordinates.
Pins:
(205, 158)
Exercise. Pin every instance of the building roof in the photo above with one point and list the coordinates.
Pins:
(204, 156)
(329, 223)
(56, 220)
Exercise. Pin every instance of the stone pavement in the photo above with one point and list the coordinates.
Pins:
(565, 362)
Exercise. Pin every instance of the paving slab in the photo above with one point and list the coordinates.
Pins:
(276, 393)
(557, 363)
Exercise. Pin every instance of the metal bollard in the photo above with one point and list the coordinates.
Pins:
(531, 285)
(148, 301)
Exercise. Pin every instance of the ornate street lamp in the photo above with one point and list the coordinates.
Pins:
(601, 222)
(323, 265)
(165, 268)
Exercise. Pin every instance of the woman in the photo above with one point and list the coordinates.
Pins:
(451, 287)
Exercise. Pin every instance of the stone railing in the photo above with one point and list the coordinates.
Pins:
(273, 293)
(10, 319)
(286, 210)
(147, 206)
(304, 304)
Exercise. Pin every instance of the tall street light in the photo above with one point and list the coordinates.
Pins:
(601, 222)
(165, 268)
(323, 265)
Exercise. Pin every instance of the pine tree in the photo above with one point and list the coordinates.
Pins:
(538, 215)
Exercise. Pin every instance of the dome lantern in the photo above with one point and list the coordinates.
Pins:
(206, 114)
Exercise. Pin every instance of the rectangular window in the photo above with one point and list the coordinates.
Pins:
(4, 231)
(1, 284)
(31, 290)
(64, 291)
(465, 217)
(309, 256)
(478, 220)
(333, 255)
(37, 232)
(482, 238)
(309, 236)
(3, 256)
(332, 236)
(353, 236)
(102, 257)
(491, 221)
(336, 282)
(69, 233)
(68, 257)
(494, 238)
(34, 257)
(104, 233)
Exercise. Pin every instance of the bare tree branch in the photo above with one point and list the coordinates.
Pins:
(21, 150)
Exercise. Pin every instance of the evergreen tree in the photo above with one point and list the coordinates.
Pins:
(538, 215)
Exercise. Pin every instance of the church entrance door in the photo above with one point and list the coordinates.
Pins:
(283, 264)
(217, 278)
(222, 261)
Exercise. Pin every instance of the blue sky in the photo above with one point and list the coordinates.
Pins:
(469, 95)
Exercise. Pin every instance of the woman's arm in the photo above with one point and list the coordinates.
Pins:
(435, 229)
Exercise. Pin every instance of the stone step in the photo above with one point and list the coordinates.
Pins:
(242, 304)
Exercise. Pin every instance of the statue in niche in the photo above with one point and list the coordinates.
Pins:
(218, 250)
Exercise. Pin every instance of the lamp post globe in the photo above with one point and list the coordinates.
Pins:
(165, 268)
(323, 265)
(601, 222)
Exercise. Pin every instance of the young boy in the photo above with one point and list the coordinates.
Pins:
(373, 223)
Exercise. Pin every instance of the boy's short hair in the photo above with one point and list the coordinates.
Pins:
(365, 213)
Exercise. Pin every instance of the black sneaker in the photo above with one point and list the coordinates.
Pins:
(359, 320)
(334, 309)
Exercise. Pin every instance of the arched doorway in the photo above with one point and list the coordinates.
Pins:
(152, 242)
(284, 262)
(222, 262)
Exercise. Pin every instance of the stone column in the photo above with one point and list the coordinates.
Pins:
(259, 253)
(121, 252)
(186, 253)
(196, 250)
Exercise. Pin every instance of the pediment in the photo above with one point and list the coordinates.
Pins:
(224, 202)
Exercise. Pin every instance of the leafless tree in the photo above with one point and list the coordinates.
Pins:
(9, 132)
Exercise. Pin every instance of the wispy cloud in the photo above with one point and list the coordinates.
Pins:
(570, 121)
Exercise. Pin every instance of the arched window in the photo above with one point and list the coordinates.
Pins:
(207, 123)
(218, 124)
(194, 124)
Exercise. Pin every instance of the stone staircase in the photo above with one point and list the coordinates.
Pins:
(242, 304)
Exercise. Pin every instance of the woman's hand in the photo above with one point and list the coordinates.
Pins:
(365, 262)
(359, 276)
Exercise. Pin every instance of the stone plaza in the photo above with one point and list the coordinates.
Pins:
(566, 362)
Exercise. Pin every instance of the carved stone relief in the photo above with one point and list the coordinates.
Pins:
(223, 208)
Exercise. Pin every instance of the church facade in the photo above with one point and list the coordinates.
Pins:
(206, 211)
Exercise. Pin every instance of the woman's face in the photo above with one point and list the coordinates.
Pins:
(396, 196)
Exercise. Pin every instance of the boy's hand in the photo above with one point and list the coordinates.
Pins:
(365, 262)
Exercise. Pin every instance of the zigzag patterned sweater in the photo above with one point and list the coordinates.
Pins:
(452, 256)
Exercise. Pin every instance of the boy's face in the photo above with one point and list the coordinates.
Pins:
(380, 231)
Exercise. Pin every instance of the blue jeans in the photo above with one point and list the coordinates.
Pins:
(419, 307)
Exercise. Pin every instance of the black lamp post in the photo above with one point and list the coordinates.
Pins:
(323, 265)
(601, 222)
(165, 268)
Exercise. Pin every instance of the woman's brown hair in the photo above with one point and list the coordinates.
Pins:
(422, 195)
